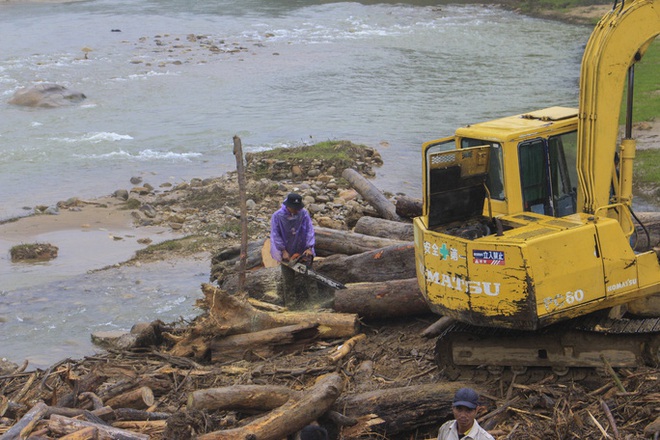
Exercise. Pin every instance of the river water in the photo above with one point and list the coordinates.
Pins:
(170, 82)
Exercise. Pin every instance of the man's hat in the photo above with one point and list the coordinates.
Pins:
(294, 201)
(466, 397)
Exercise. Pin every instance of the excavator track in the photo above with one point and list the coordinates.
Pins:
(573, 350)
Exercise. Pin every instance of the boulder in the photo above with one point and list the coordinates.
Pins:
(46, 95)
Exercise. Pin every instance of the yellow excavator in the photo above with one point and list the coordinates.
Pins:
(528, 243)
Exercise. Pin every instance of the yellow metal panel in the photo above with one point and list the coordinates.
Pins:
(648, 270)
(619, 260)
(453, 280)
(567, 271)
(501, 275)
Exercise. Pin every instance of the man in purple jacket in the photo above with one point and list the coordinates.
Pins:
(292, 237)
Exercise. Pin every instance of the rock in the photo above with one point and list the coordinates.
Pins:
(315, 208)
(33, 252)
(136, 180)
(121, 194)
(149, 211)
(327, 222)
(7, 367)
(115, 339)
(46, 96)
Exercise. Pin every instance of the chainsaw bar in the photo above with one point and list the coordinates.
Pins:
(304, 270)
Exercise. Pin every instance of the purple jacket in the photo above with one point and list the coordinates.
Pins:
(295, 233)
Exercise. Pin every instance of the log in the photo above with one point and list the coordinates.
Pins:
(240, 170)
(344, 349)
(231, 315)
(138, 414)
(388, 299)
(240, 398)
(389, 263)
(651, 221)
(26, 423)
(289, 418)
(408, 207)
(263, 344)
(333, 241)
(65, 425)
(138, 398)
(393, 411)
(261, 284)
(371, 194)
(89, 382)
(89, 433)
(379, 227)
(434, 330)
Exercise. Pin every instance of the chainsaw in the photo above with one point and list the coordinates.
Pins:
(296, 264)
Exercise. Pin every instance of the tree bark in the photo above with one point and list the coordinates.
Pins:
(232, 315)
(396, 410)
(332, 241)
(371, 194)
(26, 423)
(240, 397)
(89, 433)
(388, 299)
(389, 263)
(380, 227)
(408, 207)
(651, 221)
(289, 418)
(65, 425)
(263, 344)
(139, 398)
(240, 170)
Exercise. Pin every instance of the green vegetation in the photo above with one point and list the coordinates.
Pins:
(33, 252)
(335, 150)
(187, 245)
(647, 166)
(560, 5)
(647, 85)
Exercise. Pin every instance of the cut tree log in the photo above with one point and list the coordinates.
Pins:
(139, 398)
(289, 418)
(231, 315)
(371, 194)
(240, 398)
(389, 263)
(651, 222)
(65, 425)
(387, 299)
(263, 344)
(333, 241)
(408, 207)
(89, 433)
(392, 411)
(382, 264)
(22, 428)
(379, 227)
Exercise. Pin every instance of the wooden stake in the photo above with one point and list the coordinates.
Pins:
(240, 169)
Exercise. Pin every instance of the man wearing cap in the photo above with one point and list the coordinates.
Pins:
(464, 407)
(292, 236)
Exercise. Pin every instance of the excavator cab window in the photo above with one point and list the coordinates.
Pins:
(544, 177)
(495, 178)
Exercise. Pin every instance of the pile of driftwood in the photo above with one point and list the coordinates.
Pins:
(361, 367)
(359, 380)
